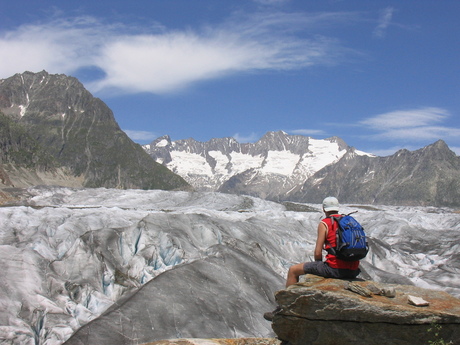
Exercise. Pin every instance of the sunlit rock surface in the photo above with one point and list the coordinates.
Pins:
(69, 256)
(323, 311)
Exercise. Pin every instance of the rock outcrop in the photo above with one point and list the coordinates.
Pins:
(331, 311)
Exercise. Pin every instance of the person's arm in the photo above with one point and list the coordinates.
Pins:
(320, 240)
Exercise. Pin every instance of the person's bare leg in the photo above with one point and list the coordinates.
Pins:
(294, 273)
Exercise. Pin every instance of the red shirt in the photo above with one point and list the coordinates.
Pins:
(332, 260)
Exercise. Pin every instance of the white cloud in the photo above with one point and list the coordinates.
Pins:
(386, 16)
(143, 136)
(253, 137)
(60, 46)
(169, 62)
(407, 118)
(164, 61)
(421, 133)
(413, 125)
(308, 132)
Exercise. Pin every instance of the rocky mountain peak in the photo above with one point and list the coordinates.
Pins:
(28, 94)
(439, 150)
(163, 141)
(281, 141)
(80, 132)
(342, 144)
(275, 138)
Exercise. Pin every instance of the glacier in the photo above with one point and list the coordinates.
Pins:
(165, 265)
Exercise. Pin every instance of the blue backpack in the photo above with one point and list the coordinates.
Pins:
(351, 241)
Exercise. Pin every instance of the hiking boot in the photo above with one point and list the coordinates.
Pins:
(271, 314)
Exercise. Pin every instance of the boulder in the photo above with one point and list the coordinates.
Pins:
(332, 311)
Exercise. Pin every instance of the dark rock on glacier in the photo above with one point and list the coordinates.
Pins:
(62, 120)
(218, 297)
(327, 311)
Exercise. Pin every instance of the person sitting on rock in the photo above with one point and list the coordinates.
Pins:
(332, 267)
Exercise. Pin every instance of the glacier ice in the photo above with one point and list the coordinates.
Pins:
(71, 255)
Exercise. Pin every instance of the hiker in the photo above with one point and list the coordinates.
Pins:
(332, 267)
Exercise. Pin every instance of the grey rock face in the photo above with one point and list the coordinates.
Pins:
(325, 311)
(79, 131)
(428, 176)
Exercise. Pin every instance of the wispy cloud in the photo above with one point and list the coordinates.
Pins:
(308, 132)
(386, 16)
(162, 61)
(414, 124)
(419, 117)
(271, 2)
(246, 138)
(59, 46)
(140, 136)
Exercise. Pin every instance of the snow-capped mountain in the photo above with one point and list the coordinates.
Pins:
(297, 168)
(151, 265)
(269, 168)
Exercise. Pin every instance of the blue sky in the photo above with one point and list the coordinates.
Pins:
(382, 75)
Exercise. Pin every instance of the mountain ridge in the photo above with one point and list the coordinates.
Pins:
(58, 133)
(80, 132)
(283, 167)
(224, 164)
(427, 176)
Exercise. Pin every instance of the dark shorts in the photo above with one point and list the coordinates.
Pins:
(320, 268)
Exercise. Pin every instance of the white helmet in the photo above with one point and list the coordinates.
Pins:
(330, 204)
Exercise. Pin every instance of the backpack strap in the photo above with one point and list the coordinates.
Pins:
(331, 250)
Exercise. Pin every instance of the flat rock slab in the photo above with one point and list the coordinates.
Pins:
(237, 341)
(326, 311)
